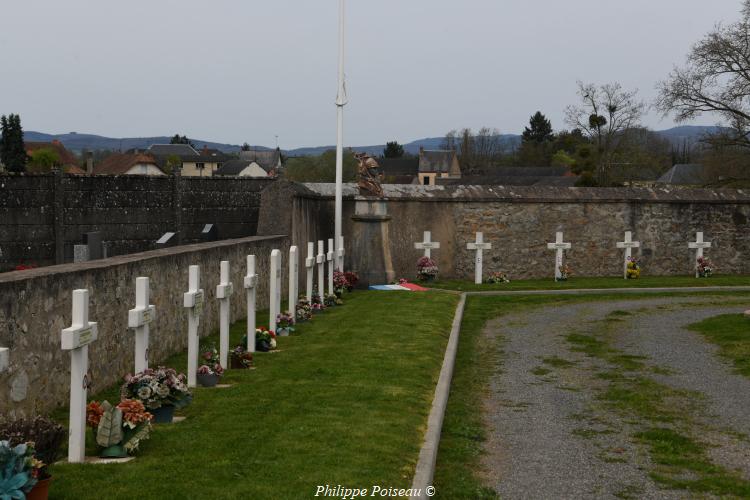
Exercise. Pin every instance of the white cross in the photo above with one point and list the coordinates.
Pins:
(479, 245)
(224, 291)
(251, 284)
(293, 280)
(427, 245)
(699, 245)
(139, 319)
(310, 266)
(321, 259)
(628, 245)
(560, 247)
(329, 257)
(4, 359)
(193, 300)
(76, 339)
(340, 254)
(275, 289)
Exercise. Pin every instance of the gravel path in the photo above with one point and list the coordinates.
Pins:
(546, 442)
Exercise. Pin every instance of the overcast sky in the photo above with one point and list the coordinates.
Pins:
(235, 71)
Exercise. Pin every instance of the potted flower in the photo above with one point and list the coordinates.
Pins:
(47, 436)
(340, 283)
(427, 269)
(633, 270)
(119, 429)
(565, 273)
(317, 305)
(240, 358)
(265, 340)
(303, 310)
(284, 324)
(19, 470)
(160, 390)
(497, 277)
(352, 279)
(211, 370)
(704, 267)
(332, 300)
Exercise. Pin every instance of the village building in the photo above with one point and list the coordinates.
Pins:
(437, 164)
(129, 164)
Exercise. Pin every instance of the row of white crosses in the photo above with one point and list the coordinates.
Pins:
(559, 245)
(335, 260)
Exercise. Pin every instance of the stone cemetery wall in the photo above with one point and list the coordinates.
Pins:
(35, 305)
(520, 221)
(43, 216)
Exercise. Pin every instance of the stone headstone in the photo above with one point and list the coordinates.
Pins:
(478, 246)
(76, 339)
(340, 252)
(293, 279)
(224, 291)
(321, 259)
(80, 253)
(427, 244)
(628, 245)
(699, 245)
(139, 319)
(330, 256)
(93, 240)
(310, 267)
(274, 294)
(251, 285)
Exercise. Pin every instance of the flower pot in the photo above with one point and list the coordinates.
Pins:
(262, 346)
(116, 451)
(208, 379)
(235, 363)
(282, 332)
(164, 414)
(40, 491)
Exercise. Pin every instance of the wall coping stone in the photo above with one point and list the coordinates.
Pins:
(125, 259)
(532, 194)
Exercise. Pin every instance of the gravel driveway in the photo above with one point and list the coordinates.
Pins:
(549, 434)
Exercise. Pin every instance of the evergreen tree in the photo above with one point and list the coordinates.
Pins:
(177, 139)
(393, 150)
(12, 150)
(539, 129)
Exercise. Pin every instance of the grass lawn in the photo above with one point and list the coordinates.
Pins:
(577, 283)
(731, 332)
(345, 401)
(458, 461)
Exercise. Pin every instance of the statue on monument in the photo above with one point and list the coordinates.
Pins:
(369, 175)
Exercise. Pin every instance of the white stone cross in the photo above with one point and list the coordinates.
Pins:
(193, 300)
(340, 255)
(321, 259)
(329, 257)
(699, 245)
(274, 294)
(427, 245)
(224, 291)
(76, 339)
(560, 247)
(251, 284)
(293, 280)
(139, 319)
(479, 245)
(628, 245)
(310, 266)
(4, 359)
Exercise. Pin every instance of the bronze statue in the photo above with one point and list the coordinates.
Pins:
(369, 175)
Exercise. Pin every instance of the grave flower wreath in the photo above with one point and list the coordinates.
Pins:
(303, 310)
(265, 340)
(498, 277)
(332, 300)
(427, 269)
(119, 429)
(704, 267)
(20, 469)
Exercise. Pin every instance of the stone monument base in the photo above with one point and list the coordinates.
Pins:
(370, 243)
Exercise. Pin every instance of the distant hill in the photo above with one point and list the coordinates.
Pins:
(79, 142)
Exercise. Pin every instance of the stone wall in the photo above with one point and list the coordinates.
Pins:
(43, 216)
(35, 305)
(520, 221)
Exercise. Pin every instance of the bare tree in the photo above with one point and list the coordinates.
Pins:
(715, 79)
(605, 112)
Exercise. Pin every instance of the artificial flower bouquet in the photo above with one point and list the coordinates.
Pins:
(352, 279)
(303, 310)
(156, 388)
(565, 273)
(240, 358)
(119, 429)
(704, 267)
(340, 283)
(497, 277)
(633, 271)
(427, 269)
(284, 324)
(19, 469)
(332, 300)
(265, 340)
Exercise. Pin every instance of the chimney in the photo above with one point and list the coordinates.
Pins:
(89, 162)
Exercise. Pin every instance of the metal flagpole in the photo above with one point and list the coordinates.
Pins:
(340, 103)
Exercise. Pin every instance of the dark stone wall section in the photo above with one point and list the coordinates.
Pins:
(43, 216)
